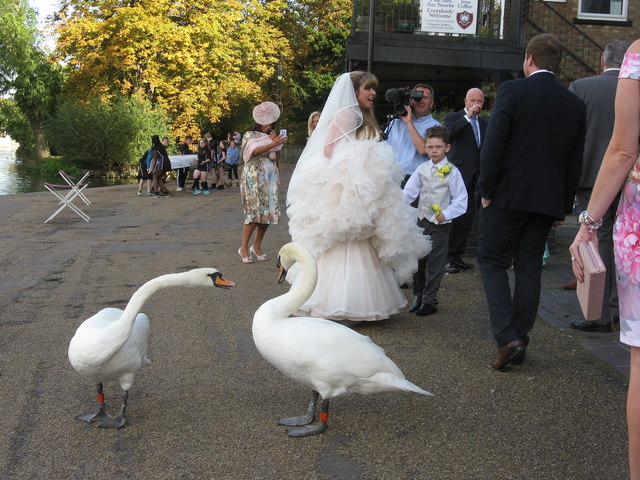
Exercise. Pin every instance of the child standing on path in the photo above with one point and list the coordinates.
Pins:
(202, 169)
(143, 172)
(232, 161)
(443, 197)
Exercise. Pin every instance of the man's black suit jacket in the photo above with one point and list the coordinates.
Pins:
(532, 153)
(464, 153)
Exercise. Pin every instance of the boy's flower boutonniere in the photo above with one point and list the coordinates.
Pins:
(437, 211)
(442, 171)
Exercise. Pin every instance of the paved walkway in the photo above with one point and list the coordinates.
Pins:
(206, 408)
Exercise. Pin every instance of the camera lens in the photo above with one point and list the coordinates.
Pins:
(399, 110)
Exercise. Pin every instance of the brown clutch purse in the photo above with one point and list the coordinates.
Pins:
(591, 291)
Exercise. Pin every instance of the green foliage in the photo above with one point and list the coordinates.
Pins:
(26, 73)
(13, 121)
(318, 31)
(105, 134)
(49, 167)
(197, 59)
(440, 114)
(205, 62)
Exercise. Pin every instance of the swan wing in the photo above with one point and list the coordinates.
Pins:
(92, 336)
(329, 357)
(132, 356)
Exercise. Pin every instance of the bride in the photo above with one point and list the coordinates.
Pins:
(345, 205)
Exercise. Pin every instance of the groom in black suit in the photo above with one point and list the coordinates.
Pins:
(466, 133)
(529, 169)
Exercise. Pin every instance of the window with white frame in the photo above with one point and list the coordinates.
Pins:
(611, 10)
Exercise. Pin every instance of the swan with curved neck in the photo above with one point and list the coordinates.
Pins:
(328, 357)
(112, 344)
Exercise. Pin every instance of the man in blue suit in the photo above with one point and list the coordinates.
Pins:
(599, 95)
(530, 164)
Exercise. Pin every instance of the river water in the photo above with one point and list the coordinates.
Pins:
(14, 178)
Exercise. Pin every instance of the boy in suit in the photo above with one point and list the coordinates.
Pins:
(443, 197)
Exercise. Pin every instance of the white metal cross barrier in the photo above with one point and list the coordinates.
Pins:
(75, 185)
(73, 190)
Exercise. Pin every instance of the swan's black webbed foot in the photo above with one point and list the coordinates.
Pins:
(307, 430)
(99, 416)
(113, 422)
(305, 419)
(120, 420)
(297, 421)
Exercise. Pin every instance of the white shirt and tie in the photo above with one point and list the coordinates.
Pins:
(474, 126)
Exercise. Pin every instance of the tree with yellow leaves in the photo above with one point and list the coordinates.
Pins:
(196, 59)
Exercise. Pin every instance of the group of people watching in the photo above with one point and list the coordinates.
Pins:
(213, 159)
(349, 199)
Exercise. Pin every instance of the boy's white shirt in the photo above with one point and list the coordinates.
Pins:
(457, 190)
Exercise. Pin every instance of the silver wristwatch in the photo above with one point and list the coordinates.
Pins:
(585, 219)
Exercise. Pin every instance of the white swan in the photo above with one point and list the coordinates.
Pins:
(328, 357)
(112, 344)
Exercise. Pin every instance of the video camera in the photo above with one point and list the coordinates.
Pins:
(400, 98)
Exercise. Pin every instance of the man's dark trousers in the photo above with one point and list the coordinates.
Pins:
(506, 238)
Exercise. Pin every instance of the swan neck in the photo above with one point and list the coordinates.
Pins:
(119, 331)
(304, 285)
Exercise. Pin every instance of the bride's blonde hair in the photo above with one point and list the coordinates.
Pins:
(369, 127)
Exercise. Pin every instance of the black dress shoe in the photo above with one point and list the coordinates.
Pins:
(426, 309)
(585, 326)
(416, 304)
(511, 352)
(464, 266)
(451, 267)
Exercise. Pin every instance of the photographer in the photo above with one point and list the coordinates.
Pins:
(406, 133)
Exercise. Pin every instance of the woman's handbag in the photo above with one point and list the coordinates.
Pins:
(591, 291)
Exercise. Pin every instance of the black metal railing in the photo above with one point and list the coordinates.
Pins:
(404, 16)
(581, 53)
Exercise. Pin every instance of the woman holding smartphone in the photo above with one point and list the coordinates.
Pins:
(259, 180)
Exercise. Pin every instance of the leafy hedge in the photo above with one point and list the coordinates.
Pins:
(105, 135)
(13, 121)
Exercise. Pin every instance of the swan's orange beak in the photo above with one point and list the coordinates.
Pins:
(282, 272)
(222, 283)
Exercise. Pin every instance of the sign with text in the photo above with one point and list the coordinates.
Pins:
(449, 16)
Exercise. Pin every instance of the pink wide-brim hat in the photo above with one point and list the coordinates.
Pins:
(266, 113)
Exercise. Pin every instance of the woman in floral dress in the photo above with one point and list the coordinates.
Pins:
(259, 180)
(620, 170)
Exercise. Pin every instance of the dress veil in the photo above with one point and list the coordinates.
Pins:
(347, 188)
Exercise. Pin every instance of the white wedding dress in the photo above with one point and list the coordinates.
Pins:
(345, 205)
